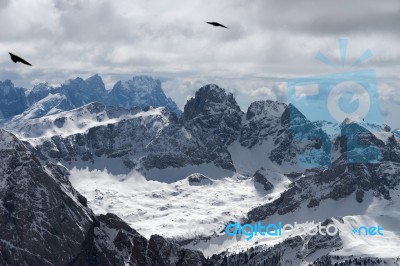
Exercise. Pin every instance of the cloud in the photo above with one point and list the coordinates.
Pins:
(4, 3)
(268, 41)
(329, 17)
(65, 5)
(389, 93)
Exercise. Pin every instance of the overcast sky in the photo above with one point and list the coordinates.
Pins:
(268, 43)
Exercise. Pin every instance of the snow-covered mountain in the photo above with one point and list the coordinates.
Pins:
(155, 139)
(215, 164)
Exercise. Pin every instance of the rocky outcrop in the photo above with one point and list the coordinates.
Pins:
(198, 179)
(261, 177)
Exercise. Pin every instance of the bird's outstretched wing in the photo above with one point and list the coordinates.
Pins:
(216, 24)
(24, 62)
(17, 59)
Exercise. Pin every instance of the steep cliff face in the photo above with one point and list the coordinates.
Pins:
(38, 205)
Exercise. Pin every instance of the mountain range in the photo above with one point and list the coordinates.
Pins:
(44, 99)
(132, 152)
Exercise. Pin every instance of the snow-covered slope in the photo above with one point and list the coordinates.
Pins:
(362, 194)
(29, 126)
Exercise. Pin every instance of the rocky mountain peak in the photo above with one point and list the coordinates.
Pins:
(12, 99)
(6, 83)
(40, 87)
(292, 116)
(265, 108)
(80, 92)
(138, 85)
(144, 82)
(39, 92)
(96, 82)
(141, 91)
(209, 100)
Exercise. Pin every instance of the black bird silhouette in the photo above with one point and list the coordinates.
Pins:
(17, 59)
(216, 24)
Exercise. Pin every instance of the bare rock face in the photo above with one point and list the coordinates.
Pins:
(43, 220)
(198, 179)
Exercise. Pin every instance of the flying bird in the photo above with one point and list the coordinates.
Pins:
(216, 24)
(17, 59)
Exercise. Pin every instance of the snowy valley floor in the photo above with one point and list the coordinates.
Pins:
(153, 207)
